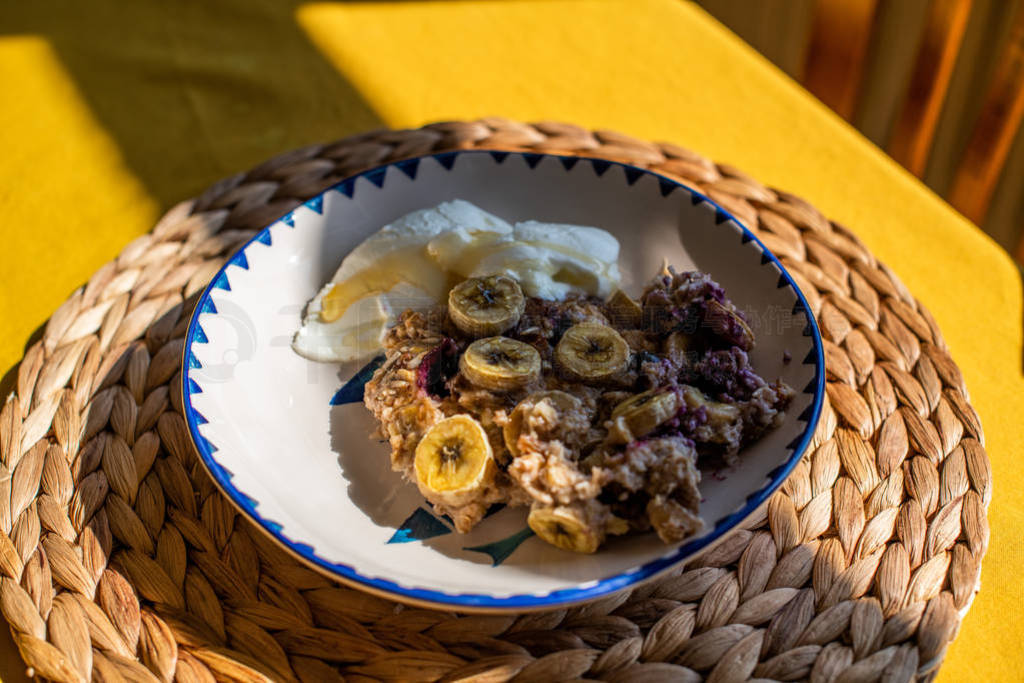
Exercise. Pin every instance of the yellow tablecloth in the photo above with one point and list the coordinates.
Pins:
(112, 110)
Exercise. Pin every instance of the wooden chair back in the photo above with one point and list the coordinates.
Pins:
(834, 71)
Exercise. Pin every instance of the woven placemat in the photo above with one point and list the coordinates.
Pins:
(120, 559)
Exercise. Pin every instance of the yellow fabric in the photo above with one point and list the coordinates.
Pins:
(112, 110)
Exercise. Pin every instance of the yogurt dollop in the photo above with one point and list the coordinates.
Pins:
(413, 262)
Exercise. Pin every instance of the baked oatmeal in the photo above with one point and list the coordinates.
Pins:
(597, 415)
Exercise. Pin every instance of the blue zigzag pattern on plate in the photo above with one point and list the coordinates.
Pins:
(224, 477)
(347, 187)
(239, 258)
(633, 175)
(352, 390)
(447, 159)
(221, 282)
(532, 159)
(409, 167)
(377, 176)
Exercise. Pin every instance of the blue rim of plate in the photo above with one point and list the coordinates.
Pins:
(562, 597)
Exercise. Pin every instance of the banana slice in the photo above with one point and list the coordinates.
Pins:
(592, 352)
(719, 414)
(727, 323)
(485, 306)
(641, 415)
(559, 400)
(625, 312)
(567, 527)
(454, 461)
(500, 363)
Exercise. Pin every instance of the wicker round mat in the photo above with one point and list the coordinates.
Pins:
(120, 559)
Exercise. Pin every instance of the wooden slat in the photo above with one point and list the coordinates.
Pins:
(834, 68)
(997, 124)
(914, 130)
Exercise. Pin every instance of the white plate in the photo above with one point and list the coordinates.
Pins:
(277, 436)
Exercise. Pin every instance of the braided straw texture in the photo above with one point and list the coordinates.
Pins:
(120, 559)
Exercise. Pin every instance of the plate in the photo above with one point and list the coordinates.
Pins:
(289, 441)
